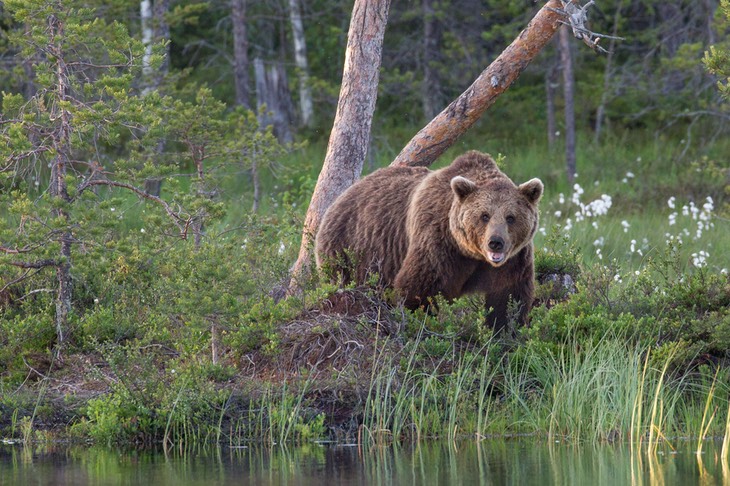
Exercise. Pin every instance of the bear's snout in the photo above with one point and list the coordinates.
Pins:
(496, 243)
(497, 250)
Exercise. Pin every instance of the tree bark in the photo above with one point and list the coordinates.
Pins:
(28, 80)
(348, 141)
(58, 186)
(462, 113)
(551, 83)
(155, 29)
(430, 87)
(145, 13)
(240, 52)
(300, 57)
(162, 32)
(600, 112)
(272, 91)
(566, 60)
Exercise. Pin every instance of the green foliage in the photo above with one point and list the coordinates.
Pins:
(717, 59)
(160, 282)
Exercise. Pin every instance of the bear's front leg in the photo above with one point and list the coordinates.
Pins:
(512, 303)
(417, 281)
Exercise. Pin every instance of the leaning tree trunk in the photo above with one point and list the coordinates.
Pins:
(566, 61)
(348, 141)
(351, 131)
(462, 113)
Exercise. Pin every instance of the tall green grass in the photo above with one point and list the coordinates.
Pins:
(404, 401)
(603, 391)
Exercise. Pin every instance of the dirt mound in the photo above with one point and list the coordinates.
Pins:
(341, 333)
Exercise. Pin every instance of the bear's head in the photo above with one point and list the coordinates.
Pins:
(494, 219)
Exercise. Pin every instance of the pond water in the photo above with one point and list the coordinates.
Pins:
(519, 462)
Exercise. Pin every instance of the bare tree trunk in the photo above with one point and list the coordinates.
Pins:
(462, 113)
(28, 63)
(551, 82)
(709, 7)
(240, 52)
(272, 91)
(430, 88)
(155, 29)
(600, 112)
(300, 57)
(351, 130)
(145, 13)
(162, 32)
(566, 59)
(58, 186)
(256, 185)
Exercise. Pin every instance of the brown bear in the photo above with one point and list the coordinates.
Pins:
(462, 229)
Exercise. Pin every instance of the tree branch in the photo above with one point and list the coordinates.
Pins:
(577, 17)
(443, 131)
(26, 275)
(37, 264)
(182, 223)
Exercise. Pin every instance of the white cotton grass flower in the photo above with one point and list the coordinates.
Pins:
(625, 224)
(699, 259)
(577, 193)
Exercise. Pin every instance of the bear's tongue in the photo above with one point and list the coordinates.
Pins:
(495, 257)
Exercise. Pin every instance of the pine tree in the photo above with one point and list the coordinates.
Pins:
(84, 142)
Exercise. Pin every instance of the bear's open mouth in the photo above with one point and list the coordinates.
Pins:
(495, 257)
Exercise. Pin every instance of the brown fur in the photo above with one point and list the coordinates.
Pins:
(423, 232)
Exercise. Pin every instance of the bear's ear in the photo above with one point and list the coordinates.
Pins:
(532, 190)
(462, 187)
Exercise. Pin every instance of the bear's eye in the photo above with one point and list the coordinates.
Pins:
(510, 219)
(485, 218)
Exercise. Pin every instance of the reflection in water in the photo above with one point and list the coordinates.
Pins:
(519, 462)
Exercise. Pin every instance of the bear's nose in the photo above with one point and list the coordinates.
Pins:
(496, 243)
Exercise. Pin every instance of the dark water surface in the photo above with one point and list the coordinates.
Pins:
(518, 462)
